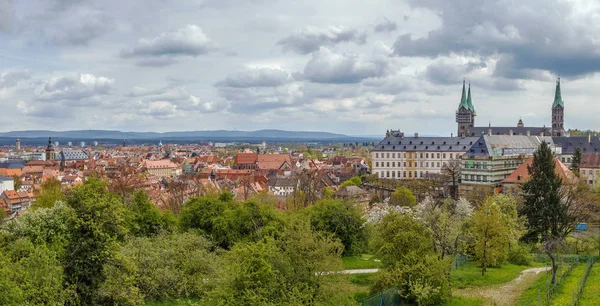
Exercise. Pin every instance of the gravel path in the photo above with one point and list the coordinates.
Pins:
(505, 294)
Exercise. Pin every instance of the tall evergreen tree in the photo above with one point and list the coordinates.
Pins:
(576, 160)
(548, 218)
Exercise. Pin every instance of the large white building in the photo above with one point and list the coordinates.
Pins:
(399, 157)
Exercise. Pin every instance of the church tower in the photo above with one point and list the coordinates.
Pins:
(50, 150)
(465, 115)
(558, 110)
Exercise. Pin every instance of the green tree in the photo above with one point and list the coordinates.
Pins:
(50, 193)
(289, 270)
(166, 266)
(328, 193)
(30, 275)
(17, 182)
(402, 196)
(576, 160)
(405, 247)
(200, 213)
(343, 219)
(491, 233)
(548, 218)
(354, 181)
(145, 219)
(247, 221)
(99, 224)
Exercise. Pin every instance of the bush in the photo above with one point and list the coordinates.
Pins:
(343, 219)
(519, 254)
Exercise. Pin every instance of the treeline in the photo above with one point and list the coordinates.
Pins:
(94, 248)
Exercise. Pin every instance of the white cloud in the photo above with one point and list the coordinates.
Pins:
(74, 87)
(310, 39)
(187, 41)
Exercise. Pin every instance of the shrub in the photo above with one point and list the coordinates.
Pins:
(519, 254)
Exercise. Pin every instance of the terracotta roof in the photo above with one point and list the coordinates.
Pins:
(590, 160)
(246, 158)
(273, 161)
(521, 174)
(157, 164)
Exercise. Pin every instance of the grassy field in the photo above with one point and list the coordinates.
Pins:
(469, 275)
(564, 291)
(362, 262)
(463, 301)
(348, 289)
(530, 296)
(591, 290)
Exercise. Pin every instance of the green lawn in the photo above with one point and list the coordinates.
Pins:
(362, 262)
(591, 290)
(463, 301)
(530, 296)
(344, 289)
(469, 275)
(564, 291)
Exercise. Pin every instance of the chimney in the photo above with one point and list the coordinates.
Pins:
(590, 137)
(451, 135)
(510, 133)
(416, 135)
(489, 132)
(528, 133)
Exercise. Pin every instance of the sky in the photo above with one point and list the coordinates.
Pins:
(343, 66)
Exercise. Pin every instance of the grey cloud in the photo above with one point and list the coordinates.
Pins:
(156, 62)
(385, 25)
(310, 39)
(536, 35)
(12, 77)
(256, 77)
(187, 41)
(6, 15)
(74, 87)
(257, 99)
(327, 66)
(81, 29)
(447, 72)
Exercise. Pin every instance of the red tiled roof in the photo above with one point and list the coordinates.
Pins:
(521, 174)
(590, 160)
(273, 161)
(246, 158)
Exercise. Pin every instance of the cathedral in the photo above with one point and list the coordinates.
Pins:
(465, 118)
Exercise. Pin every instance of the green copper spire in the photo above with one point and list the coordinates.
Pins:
(469, 102)
(463, 99)
(557, 96)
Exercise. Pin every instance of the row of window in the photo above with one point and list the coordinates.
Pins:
(401, 174)
(475, 178)
(413, 155)
(590, 172)
(410, 164)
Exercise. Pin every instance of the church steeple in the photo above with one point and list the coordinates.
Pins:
(50, 150)
(558, 96)
(465, 115)
(469, 102)
(558, 112)
(463, 98)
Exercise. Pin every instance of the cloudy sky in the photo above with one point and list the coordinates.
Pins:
(353, 67)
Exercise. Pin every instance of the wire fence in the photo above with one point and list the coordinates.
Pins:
(565, 265)
(389, 297)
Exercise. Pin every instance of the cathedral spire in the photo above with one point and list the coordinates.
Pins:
(469, 102)
(557, 96)
(463, 98)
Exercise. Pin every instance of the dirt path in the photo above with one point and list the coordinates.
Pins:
(505, 294)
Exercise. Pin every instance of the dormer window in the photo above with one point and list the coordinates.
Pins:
(421, 142)
(410, 142)
(388, 142)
